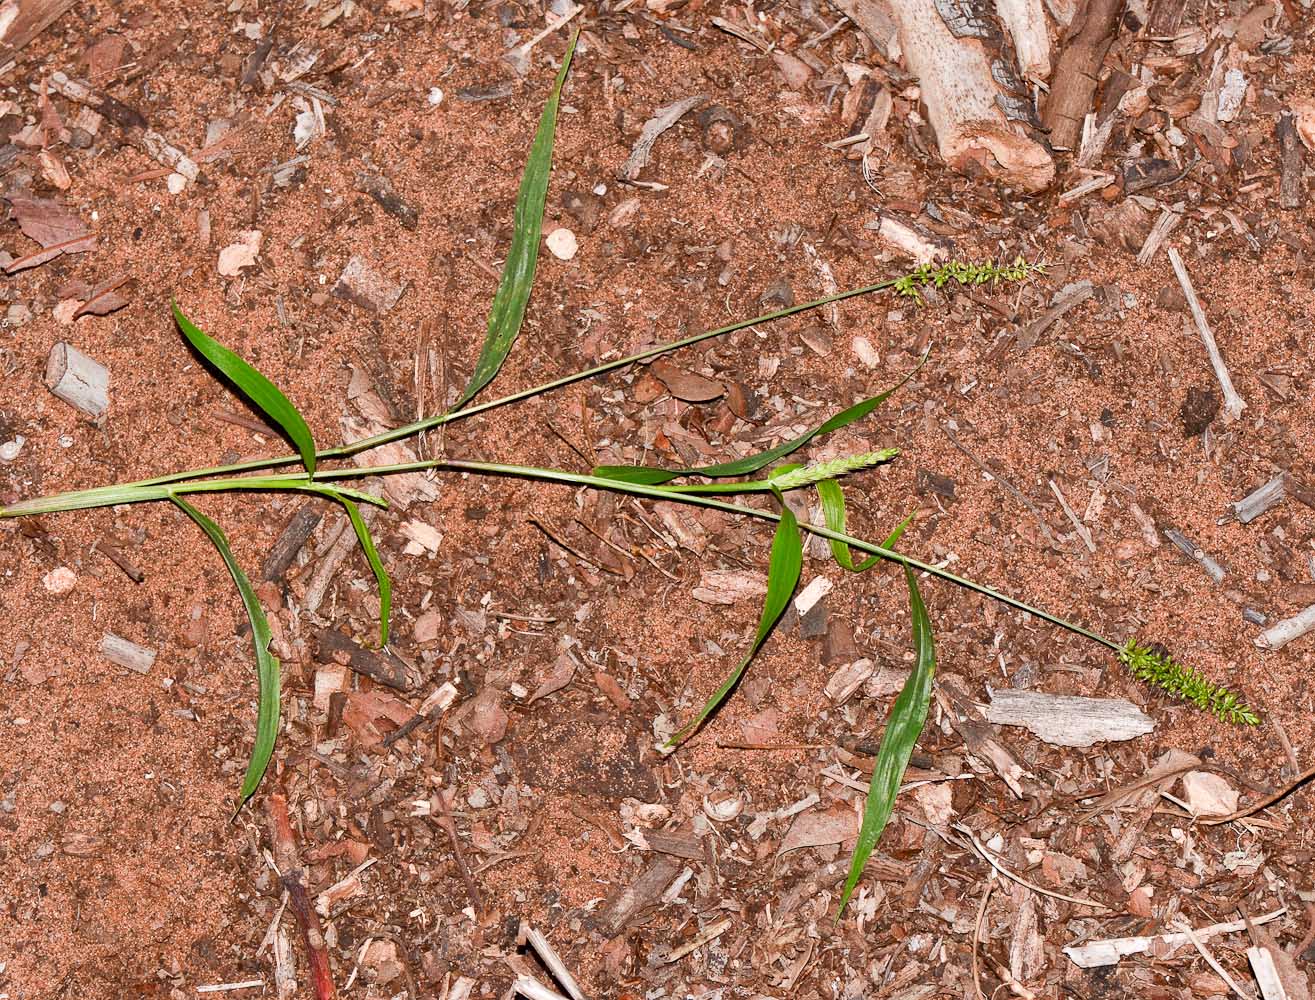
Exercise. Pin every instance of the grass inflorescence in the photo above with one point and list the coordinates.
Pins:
(1154, 666)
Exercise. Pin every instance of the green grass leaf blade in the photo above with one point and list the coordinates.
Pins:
(784, 566)
(832, 495)
(376, 565)
(262, 393)
(267, 664)
(907, 717)
(648, 476)
(513, 294)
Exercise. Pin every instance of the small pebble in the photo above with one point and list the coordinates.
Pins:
(478, 799)
(59, 580)
(10, 449)
(176, 183)
(435, 96)
(562, 244)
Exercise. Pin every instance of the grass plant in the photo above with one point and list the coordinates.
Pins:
(909, 712)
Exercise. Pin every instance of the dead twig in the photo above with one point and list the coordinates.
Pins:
(290, 874)
(1233, 403)
(1264, 803)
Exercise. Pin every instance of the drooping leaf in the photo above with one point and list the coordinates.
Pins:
(907, 717)
(832, 495)
(376, 564)
(649, 476)
(787, 559)
(262, 393)
(267, 664)
(513, 294)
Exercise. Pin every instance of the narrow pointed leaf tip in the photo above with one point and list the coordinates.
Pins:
(513, 294)
(267, 664)
(907, 717)
(1156, 667)
(260, 391)
(783, 568)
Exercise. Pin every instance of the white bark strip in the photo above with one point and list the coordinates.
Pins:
(1233, 403)
(78, 380)
(1026, 22)
(1281, 633)
(960, 93)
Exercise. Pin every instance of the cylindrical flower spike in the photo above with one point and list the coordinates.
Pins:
(1156, 667)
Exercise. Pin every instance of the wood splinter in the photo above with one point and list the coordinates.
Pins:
(1233, 403)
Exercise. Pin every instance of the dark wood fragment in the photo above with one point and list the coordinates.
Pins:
(628, 902)
(1165, 18)
(294, 536)
(927, 482)
(1199, 409)
(381, 667)
(1292, 163)
(256, 62)
(1086, 42)
(111, 552)
(381, 189)
(678, 843)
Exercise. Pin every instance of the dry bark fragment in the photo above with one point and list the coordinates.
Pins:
(628, 902)
(382, 667)
(1292, 162)
(1087, 41)
(976, 105)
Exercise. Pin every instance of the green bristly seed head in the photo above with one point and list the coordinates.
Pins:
(964, 273)
(833, 469)
(1159, 669)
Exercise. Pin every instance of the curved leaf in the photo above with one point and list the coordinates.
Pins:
(832, 495)
(649, 476)
(907, 717)
(262, 393)
(267, 664)
(376, 565)
(787, 559)
(513, 294)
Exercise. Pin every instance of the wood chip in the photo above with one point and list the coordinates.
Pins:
(1068, 720)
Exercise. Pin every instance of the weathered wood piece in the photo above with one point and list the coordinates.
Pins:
(1260, 500)
(1085, 45)
(1233, 403)
(127, 653)
(1069, 721)
(24, 20)
(627, 902)
(294, 536)
(78, 380)
(1026, 23)
(976, 104)
(1292, 163)
(875, 20)
(381, 667)
(1281, 633)
(1109, 950)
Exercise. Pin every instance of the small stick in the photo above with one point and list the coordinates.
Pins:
(248, 984)
(1264, 803)
(1194, 552)
(1283, 632)
(1009, 487)
(290, 873)
(989, 858)
(111, 552)
(1083, 532)
(710, 934)
(444, 819)
(548, 955)
(1211, 961)
(977, 934)
(1233, 403)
